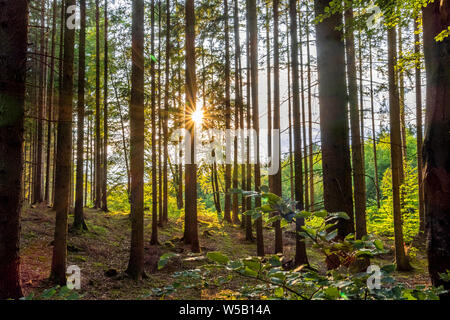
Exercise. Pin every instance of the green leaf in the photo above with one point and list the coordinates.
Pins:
(165, 259)
(275, 261)
(218, 257)
(378, 244)
(321, 214)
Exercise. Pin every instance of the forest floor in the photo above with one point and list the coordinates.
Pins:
(102, 254)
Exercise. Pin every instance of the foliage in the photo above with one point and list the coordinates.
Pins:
(345, 259)
(55, 293)
(381, 221)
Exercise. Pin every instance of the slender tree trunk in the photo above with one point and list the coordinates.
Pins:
(375, 158)
(79, 216)
(291, 159)
(105, 119)
(248, 226)
(63, 157)
(396, 152)
(310, 118)
(436, 17)
(253, 23)
(276, 186)
(300, 246)
(227, 207)
(37, 181)
(269, 91)
(98, 167)
(137, 131)
(166, 118)
(154, 239)
(238, 107)
(419, 126)
(50, 103)
(303, 114)
(358, 165)
(191, 228)
(13, 56)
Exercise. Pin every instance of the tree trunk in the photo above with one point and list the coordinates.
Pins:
(191, 228)
(238, 107)
(337, 175)
(64, 157)
(98, 167)
(154, 238)
(300, 246)
(13, 56)
(105, 119)
(137, 131)
(396, 152)
(419, 125)
(37, 181)
(436, 17)
(50, 105)
(253, 23)
(79, 216)
(357, 159)
(166, 118)
(276, 186)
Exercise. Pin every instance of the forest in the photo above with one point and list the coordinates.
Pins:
(224, 150)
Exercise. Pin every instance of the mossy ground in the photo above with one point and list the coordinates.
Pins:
(106, 247)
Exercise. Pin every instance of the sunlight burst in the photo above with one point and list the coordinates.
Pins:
(197, 116)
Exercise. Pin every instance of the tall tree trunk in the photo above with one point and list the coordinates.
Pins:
(98, 166)
(238, 107)
(337, 175)
(276, 186)
(291, 159)
(300, 247)
(37, 181)
(64, 157)
(436, 17)
(191, 228)
(137, 131)
(227, 208)
(396, 152)
(248, 220)
(253, 23)
(419, 125)
(50, 104)
(310, 118)
(166, 118)
(303, 113)
(13, 56)
(374, 142)
(105, 119)
(269, 91)
(154, 238)
(79, 216)
(358, 165)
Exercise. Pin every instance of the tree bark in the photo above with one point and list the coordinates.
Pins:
(300, 246)
(359, 178)
(337, 180)
(64, 156)
(276, 186)
(105, 119)
(191, 228)
(436, 17)
(13, 56)
(137, 145)
(396, 152)
(79, 216)
(253, 23)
